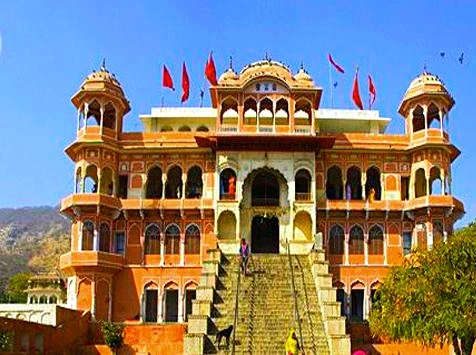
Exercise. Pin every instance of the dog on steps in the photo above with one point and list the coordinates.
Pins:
(224, 333)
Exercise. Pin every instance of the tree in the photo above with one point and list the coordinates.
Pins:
(431, 299)
(17, 285)
(112, 334)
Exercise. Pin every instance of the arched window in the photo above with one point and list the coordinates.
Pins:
(227, 184)
(79, 183)
(420, 183)
(373, 187)
(192, 240)
(229, 111)
(418, 120)
(91, 179)
(172, 240)
(107, 182)
(434, 120)
(152, 239)
(202, 129)
(375, 240)
(194, 185)
(356, 240)
(53, 300)
(436, 186)
(282, 112)
(302, 113)
(173, 186)
(104, 237)
(354, 184)
(265, 190)
(43, 299)
(184, 129)
(154, 183)
(334, 184)
(303, 185)
(266, 114)
(422, 242)
(250, 109)
(336, 240)
(109, 116)
(88, 236)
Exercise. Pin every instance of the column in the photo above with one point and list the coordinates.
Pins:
(427, 181)
(159, 307)
(346, 248)
(440, 113)
(80, 236)
(385, 236)
(362, 182)
(109, 309)
(99, 183)
(164, 181)
(93, 299)
(162, 251)
(95, 239)
(79, 121)
(101, 121)
(184, 182)
(425, 117)
(180, 306)
(182, 249)
(85, 118)
(366, 248)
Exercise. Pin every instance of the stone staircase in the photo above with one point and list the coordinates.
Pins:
(266, 306)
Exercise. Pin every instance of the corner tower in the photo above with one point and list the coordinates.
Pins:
(424, 105)
(101, 98)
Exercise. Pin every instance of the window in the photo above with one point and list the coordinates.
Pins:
(192, 240)
(152, 239)
(123, 183)
(375, 241)
(88, 236)
(407, 243)
(120, 243)
(104, 238)
(356, 244)
(172, 240)
(190, 295)
(171, 305)
(336, 240)
(405, 182)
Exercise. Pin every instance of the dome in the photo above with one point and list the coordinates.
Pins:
(230, 113)
(250, 113)
(101, 83)
(428, 85)
(281, 114)
(303, 76)
(229, 75)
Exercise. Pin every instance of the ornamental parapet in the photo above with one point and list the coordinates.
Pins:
(76, 262)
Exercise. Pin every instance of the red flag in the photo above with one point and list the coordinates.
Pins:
(372, 92)
(210, 71)
(355, 92)
(185, 83)
(334, 64)
(167, 79)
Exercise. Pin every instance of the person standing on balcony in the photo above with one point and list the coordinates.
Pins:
(244, 255)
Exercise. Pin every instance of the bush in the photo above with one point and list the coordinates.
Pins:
(112, 334)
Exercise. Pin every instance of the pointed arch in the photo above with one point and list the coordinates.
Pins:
(336, 240)
(375, 240)
(418, 119)
(334, 183)
(87, 242)
(194, 184)
(152, 239)
(226, 225)
(104, 237)
(227, 184)
(302, 181)
(373, 187)
(356, 240)
(192, 239)
(420, 183)
(436, 185)
(154, 186)
(174, 184)
(172, 240)
(354, 183)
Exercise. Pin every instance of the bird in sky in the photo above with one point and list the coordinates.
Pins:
(461, 58)
(335, 84)
(442, 54)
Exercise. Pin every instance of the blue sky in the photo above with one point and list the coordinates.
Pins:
(47, 50)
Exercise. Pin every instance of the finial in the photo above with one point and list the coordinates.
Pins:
(302, 65)
(424, 69)
(267, 57)
(231, 63)
(103, 65)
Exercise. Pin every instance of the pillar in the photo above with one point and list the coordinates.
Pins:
(85, 118)
(182, 249)
(164, 181)
(366, 248)
(80, 236)
(95, 239)
(109, 309)
(180, 306)
(101, 121)
(346, 248)
(162, 251)
(362, 182)
(93, 299)
(184, 183)
(159, 307)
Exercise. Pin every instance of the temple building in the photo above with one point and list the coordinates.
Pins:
(266, 163)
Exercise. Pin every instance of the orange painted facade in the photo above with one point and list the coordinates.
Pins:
(147, 206)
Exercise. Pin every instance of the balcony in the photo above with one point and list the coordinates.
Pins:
(303, 197)
(91, 261)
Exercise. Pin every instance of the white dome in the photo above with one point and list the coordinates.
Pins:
(250, 113)
(266, 114)
(281, 114)
(301, 114)
(230, 113)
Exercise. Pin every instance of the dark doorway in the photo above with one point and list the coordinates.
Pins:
(265, 235)
(190, 295)
(357, 305)
(151, 306)
(171, 305)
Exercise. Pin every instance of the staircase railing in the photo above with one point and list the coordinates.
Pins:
(296, 308)
(235, 320)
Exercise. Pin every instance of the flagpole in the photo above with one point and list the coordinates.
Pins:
(330, 84)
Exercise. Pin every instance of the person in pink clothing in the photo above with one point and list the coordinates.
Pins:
(244, 255)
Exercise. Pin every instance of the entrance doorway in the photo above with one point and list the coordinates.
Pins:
(151, 305)
(265, 235)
